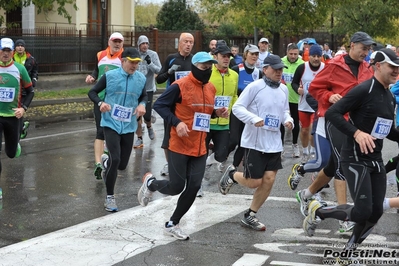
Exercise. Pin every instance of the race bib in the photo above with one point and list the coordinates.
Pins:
(7, 94)
(201, 122)
(222, 101)
(381, 128)
(272, 123)
(306, 88)
(122, 113)
(287, 77)
(181, 74)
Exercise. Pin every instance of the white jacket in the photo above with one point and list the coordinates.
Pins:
(260, 102)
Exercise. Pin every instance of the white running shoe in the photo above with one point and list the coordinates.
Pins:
(176, 232)
(145, 194)
(165, 170)
(296, 153)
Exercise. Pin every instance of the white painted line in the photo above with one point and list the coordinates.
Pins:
(116, 237)
(287, 263)
(59, 134)
(251, 260)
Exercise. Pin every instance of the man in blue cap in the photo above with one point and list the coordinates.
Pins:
(188, 106)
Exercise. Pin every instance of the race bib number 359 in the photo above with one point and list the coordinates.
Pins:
(201, 122)
(7, 94)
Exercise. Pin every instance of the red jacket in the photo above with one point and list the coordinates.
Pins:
(336, 78)
(196, 97)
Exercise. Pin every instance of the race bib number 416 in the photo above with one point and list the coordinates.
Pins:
(201, 122)
(7, 94)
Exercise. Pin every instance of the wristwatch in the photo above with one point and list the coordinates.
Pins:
(100, 103)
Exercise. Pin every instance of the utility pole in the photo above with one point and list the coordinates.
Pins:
(103, 18)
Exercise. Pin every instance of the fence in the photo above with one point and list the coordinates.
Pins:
(64, 48)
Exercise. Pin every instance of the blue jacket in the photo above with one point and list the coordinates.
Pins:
(395, 91)
(121, 89)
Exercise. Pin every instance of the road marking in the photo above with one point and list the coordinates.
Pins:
(251, 260)
(116, 237)
(287, 263)
(58, 134)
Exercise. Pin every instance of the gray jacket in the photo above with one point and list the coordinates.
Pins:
(149, 70)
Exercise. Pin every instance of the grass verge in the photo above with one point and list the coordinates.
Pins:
(69, 93)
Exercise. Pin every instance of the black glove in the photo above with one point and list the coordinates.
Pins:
(148, 59)
(33, 82)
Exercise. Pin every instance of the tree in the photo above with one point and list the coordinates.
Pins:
(177, 15)
(41, 5)
(376, 17)
(276, 18)
(144, 14)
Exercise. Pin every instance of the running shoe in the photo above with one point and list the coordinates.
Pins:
(19, 151)
(110, 204)
(153, 117)
(97, 170)
(295, 177)
(318, 197)
(296, 153)
(304, 158)
(145, 194)
(176, 232)
(165, 170)
(312, 220)
(346, 226)
(304, 202)
(252, 222)
(24, 130)
(200, 193)
(151, 133)
(221, 166)
(138, 143)
(226, 182)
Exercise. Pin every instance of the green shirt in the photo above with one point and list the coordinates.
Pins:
(288, 74)
(13, 77)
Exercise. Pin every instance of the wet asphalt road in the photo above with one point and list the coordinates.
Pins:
(51, 186)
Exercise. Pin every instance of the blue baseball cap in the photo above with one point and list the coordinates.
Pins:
(203, 57)
(6, 43)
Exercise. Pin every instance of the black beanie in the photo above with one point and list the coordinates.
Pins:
(19, 42)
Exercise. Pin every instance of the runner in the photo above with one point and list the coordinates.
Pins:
(125, 100)
(371, 109)
(15, 78)
(187, 106)
(263, 107)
